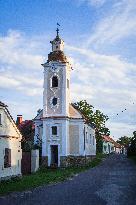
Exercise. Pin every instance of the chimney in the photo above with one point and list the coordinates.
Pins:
(19, 119)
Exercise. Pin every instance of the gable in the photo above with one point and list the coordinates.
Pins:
(73, 113)
(8, 127)
(39, 115)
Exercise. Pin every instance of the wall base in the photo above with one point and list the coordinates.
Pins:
(68, 161)
(44, 162)
(10, 177)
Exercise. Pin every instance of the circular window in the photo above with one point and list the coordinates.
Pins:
(54, 101)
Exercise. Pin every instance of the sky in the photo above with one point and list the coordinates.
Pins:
(100, 41)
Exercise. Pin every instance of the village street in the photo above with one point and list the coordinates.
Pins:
(113, 182)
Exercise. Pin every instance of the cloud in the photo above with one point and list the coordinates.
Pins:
(20, 63)
(96, 3)
(118, 23)
(108, 83)
(117, 127)
(15, 49)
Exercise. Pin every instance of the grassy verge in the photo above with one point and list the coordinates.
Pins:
(44, 176)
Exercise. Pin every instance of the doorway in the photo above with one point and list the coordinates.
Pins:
(54, 155)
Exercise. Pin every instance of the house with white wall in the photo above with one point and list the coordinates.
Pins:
(108, 145)
(66, 137)
(10, 145)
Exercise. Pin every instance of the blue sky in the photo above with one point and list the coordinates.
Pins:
(100, 41)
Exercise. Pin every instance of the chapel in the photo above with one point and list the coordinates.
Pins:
(64, 134)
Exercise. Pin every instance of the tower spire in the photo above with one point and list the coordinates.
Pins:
(57, 29)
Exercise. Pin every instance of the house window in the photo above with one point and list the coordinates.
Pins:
(86, 137)
(54, 130)
(7, 158)
(54, 82)
(105, 147)
(67, 83)
(54, 101)
(0, 120)
(90, 139)
(93, 140)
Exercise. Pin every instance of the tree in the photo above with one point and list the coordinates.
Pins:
(27, 130)
(132, 147)
(96, 118)
(124, 141)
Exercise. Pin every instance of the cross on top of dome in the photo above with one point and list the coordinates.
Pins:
(57, 43)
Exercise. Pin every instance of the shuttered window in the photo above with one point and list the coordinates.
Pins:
(7, 158)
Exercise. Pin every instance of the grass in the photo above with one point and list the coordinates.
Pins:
(45, 176)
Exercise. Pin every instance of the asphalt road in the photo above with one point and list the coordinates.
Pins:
(113, 182)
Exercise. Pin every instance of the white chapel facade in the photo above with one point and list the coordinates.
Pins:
(63, 132)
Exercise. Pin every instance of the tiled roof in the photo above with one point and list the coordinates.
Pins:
(109, 139)
(57, 56)
(74, 113)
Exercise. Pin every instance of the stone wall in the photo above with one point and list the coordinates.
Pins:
(75, 160)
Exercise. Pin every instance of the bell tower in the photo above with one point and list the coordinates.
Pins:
(57, 43)
(56, 95)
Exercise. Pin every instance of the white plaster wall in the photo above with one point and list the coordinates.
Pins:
(62, 92)
(8, 128)
(74, 139)
(107, 144)
(59, 44)
(16, 157)
(90, 143)
(117, 150)
(60, 139)
(34, 160)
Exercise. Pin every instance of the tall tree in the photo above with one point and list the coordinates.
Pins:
(124, 141)
(132, 147)
(96, 118)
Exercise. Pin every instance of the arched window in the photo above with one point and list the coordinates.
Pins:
(54, 82)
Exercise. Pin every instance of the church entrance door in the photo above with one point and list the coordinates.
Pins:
(54, 155)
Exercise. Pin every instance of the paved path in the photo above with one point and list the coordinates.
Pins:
(113, 182)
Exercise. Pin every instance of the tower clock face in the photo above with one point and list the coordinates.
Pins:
(53, 67)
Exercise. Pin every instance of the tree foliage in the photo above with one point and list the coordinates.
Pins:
(132, 147)
(27, 130)
(96, 118)
(124, 141)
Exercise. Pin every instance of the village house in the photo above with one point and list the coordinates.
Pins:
(66, 137)
(110, 146)
(10, 145)
(117, 148)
